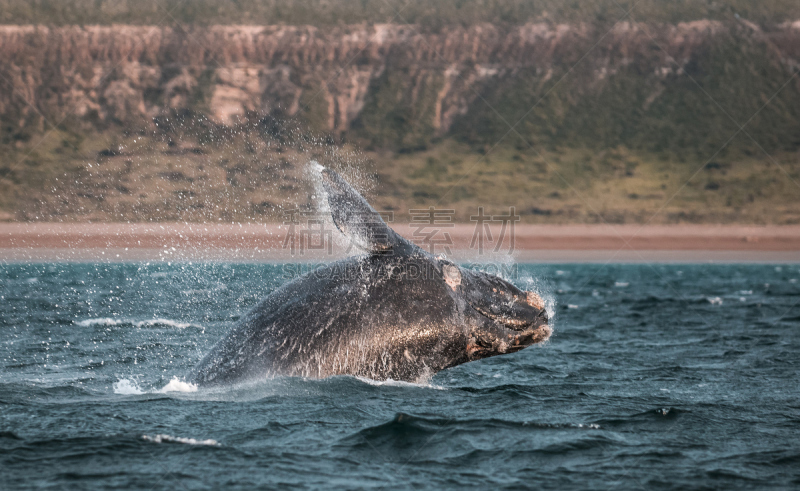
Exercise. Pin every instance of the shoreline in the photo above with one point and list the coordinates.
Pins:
(117, 242)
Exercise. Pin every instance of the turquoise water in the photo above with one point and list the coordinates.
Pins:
(656, 377)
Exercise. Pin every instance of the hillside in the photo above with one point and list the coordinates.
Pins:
(609, 120)
(390, 86)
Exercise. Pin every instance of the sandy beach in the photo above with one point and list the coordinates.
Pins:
(268, 242)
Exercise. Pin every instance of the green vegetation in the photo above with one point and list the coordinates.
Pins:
(730, 83)
(580, 185)
(254, 176)
(398, 114)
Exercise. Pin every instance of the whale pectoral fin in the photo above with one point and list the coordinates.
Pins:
(356, 219)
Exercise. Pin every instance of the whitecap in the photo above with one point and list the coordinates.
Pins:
(108, 322)
(621, 284)
(196, 292)
(714, 300)
(127, 387)
(572, 306)
(178, 385)
(162, 438)
(398, 383)
(104, 321)
(162, 323)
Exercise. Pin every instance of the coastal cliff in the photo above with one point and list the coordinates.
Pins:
(569, 122)
(396, 86)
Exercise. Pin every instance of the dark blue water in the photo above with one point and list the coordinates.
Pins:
(656, 377)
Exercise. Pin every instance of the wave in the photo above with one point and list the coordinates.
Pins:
(24, 391)
(406, 424)
(129, 387)
(506, 390)
(415, 438)
(399, 383)
(109, 322)
(646, 418)
(277, 386)
(9, 435)
(162, 438)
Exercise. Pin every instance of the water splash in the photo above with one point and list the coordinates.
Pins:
(128, 387)
(178, 385)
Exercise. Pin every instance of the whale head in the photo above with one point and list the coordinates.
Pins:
(500, 317)
(493, 316)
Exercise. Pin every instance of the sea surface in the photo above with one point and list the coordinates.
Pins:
(657, 376)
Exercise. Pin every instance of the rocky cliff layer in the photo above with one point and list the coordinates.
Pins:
(392, 86)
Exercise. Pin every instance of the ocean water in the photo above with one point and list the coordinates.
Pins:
(664, 376)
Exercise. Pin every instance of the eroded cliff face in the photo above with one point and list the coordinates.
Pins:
(372, 79)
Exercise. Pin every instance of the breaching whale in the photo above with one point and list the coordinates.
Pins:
(394, 312)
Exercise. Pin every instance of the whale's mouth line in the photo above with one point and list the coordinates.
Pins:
(510, 322)
(482, 344)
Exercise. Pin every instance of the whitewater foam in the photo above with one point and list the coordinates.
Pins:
(105, 321)
(109, 322)
(178, 385)
(162, 438)
(398, 383)
(127, 387)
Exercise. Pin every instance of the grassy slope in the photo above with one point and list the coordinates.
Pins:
(579, 185)
(248, 177)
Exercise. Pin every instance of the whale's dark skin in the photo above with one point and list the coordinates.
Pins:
(395, 312)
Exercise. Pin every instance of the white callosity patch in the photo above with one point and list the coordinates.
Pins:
(452, 276)
(534, 300)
